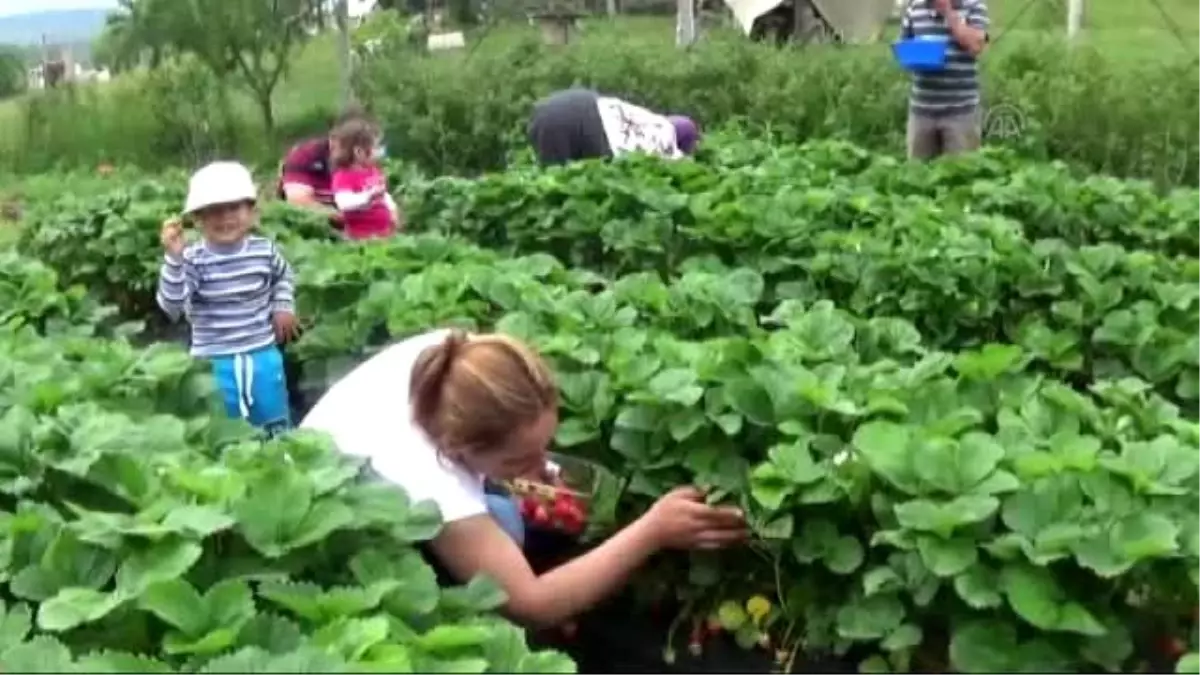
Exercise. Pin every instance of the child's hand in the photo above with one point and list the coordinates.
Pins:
(172, 237)
(286, 326)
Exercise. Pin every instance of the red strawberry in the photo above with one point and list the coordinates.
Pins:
(541, 517)
(1171, 647)
(563, 510)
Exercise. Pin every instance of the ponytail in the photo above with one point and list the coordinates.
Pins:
(472, 393)
(428, 380)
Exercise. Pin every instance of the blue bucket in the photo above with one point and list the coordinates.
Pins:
(922, 53)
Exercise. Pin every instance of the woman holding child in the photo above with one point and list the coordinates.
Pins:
(337, 174)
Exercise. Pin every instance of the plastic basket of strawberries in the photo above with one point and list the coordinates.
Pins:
(562, 500)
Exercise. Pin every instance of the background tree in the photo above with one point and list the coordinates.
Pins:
(246, 41)
(12, 71)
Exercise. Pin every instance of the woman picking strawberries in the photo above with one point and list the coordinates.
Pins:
(438, 414)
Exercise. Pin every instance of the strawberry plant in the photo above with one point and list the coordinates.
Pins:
(140, 532)
(957, 403)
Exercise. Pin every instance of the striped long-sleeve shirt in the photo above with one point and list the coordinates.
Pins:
(227, 294)
(953, 90)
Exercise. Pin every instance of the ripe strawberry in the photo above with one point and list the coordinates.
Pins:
(541, 517)
(571, 526)
(562, 510)
(1172, 646)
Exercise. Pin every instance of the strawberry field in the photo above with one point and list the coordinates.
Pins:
(957, 401)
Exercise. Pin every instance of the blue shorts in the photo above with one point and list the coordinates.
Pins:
(253, 387)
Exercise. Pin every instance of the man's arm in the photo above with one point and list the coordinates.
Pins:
(969, 26)
(303, 195)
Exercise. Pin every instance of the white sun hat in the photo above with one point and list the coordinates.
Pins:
(220, 183)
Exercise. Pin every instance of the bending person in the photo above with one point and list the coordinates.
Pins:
(437, 414)
(579, 124)
(306, 173)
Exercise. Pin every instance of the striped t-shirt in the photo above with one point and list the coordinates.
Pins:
(227, 293)
(953, 90)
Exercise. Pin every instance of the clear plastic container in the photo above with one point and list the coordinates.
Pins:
(563, 501)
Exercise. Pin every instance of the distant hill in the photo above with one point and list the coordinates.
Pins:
(59, 26)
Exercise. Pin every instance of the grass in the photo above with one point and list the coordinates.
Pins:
(1128, 30)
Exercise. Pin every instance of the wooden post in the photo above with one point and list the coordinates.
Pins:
(685, 22)
(1074, 18)
(343, 48)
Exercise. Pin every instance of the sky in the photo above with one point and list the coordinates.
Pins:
(9, 7)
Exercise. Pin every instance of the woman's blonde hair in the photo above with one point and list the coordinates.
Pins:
(473, 393)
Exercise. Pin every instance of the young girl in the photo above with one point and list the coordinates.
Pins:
(236, 291)
(359, 187)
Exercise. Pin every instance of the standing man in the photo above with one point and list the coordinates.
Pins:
(579, 124)
(943, 108)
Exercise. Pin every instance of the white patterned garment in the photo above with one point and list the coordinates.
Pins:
(630, 128)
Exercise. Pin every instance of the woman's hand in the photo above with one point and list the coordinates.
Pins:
(681, 519)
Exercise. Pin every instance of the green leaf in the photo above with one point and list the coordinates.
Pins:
(768, 486)
(202, 521)
(1036, 597)
(795, 463)
(983, 646)
(177, 603)
(449, 638)
(947, 557)
(845, 555)
(1188, 663)
(870, 618)
(73, 607)
(160, 561)
(885, 447)
(678, 385)
(550, 662)
(905, 636)
(979, 587)
(942, 518)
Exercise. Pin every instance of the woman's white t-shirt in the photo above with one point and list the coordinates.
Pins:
(630, 128)
(368, 414)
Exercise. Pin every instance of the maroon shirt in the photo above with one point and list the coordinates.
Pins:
(307, 163)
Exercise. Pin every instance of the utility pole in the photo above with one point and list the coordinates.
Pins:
(685, 22)
(1074, 18)
(344, 62)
